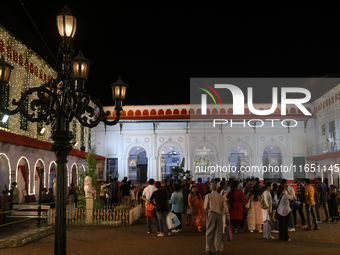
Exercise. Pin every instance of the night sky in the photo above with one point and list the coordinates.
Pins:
(157, 46)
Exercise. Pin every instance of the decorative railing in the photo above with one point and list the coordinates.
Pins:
(323, 148)
(98, 217)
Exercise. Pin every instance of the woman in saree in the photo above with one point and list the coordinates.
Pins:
(255, 218)
(198, 216)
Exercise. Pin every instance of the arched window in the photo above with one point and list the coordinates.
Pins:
(272, 158)
(170, 162)
(52, 174)
(138, 165)
(203, 161)
(238, 157)
(5, 172)
(74, 176)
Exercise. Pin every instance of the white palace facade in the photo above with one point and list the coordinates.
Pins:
(152, 140)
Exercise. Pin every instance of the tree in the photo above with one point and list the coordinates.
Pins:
(91, 165)
(187, 173)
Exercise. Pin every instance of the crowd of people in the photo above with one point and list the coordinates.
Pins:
(114, 194)
(212, 205)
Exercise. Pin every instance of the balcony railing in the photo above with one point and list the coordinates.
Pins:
(323, 148)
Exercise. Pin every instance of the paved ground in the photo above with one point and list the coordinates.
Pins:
(135, 240)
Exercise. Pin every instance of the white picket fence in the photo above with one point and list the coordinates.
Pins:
(98, 217)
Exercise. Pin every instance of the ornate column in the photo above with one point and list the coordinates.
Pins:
(61, 147)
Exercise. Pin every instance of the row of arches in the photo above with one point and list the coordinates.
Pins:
(28, 176)
(204, 159)
(246, 111)
(239, 157)
(161, 112)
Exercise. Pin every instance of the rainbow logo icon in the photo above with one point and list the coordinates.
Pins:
(209, 93)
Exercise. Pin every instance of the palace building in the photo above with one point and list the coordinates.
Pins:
(153, 140)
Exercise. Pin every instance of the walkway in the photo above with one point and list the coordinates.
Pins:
(134, 240)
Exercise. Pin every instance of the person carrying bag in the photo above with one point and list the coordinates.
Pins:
(172, 221)
(283, 212)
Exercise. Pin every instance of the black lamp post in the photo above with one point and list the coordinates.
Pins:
(61, 100)
(41, 170)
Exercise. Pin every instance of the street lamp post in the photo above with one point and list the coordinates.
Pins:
(41, 171)
(60, 100)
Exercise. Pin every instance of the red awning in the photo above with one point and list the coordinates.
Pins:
(27, 141)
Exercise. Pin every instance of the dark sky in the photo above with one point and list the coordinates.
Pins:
(157, 46)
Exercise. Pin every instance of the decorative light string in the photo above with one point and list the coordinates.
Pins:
(19, 55)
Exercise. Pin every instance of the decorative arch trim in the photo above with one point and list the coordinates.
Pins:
(9, 168)
(272, 142)
(34, 169)
(167, 144)
(134, 144)
(207, 143)
(29, 174)
(239, 142)
(49, 172)
(43, 163)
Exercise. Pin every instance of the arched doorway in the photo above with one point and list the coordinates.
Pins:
(238, 157)
(74, 175)
(170, 161)
(272, 157)
(5, 172)
(52, 175)
(204, 158)
(138, 165)
(39, 164)
(24, 178)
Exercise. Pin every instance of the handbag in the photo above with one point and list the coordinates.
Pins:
(295, 204)
(172, 221)
(263, 205)
(247, 205)
(132, 194)
(149, 210)
(274, 215)
(277, 215)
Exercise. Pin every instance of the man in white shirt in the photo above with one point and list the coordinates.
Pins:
(147, 193)
(215, 206)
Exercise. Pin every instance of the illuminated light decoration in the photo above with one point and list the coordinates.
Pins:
(20, 79)
(9, 168)
(5, 118)
(35, 167)
(2, 48)
(324, 116)
(29, 174)
(42, 131)
(68, 176)
(63, 104)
